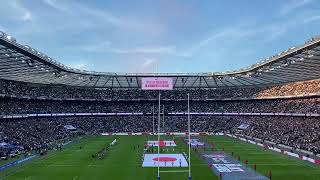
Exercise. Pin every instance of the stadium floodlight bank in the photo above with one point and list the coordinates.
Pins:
(165, 83)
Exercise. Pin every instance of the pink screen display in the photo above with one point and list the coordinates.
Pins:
(157, 83)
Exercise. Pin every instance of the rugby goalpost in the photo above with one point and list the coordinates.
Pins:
(153, 83)
(189, 140)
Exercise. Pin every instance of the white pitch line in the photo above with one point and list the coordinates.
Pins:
(62, 165)
(175, 171)
(74, 178)
(283, 164)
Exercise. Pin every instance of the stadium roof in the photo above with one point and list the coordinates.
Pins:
(23, 63)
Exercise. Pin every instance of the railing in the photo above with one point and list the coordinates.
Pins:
(310, 95)
(17, 116)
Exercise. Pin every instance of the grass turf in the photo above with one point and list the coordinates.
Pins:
(122, 162)
(281, 166)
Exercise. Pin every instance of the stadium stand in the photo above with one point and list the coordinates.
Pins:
(18, 89)
(292, 131)
(39, 97)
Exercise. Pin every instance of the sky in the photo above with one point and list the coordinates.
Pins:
(174, 36)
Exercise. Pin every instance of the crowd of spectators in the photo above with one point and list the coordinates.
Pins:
(30, 133)
(297, 132)
(19, 89)
(301, 133)
(9, 106)
(292, 89)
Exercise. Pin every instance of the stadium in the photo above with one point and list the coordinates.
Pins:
(60, 122)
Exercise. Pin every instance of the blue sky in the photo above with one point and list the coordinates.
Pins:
(160, 36)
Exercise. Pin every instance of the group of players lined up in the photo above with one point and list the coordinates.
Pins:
(150, 149)
(102, 152)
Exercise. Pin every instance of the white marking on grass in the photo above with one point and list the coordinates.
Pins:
(175, 171)
(74, 178)
(278, 164)
(62, 165)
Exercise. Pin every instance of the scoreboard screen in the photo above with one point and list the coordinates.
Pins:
(157, 83)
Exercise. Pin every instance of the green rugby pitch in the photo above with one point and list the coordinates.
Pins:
(122, 162)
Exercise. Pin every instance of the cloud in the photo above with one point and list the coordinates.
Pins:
(149, 65)
(141, 64)
(116, 36)
(147, 50)
(123, 22)
(27, 16)
(293, 5)
(273, 32)
(238, 34)
(108, 17)
(23, 13)
(106, 47)
(234, 33)
(226, 37)
(97, 48)
(135, 63)
(22, 20)
(105, 17)
(2, 29)
(206, 41)
(56, 5)
(16, 10)
(311, 19)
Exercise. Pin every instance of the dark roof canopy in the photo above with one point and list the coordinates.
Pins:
(23, 63)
